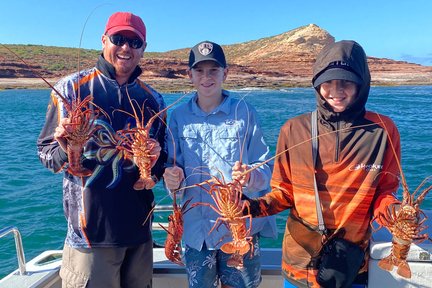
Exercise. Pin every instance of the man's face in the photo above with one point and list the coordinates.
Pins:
(124, 58)
(339, 94)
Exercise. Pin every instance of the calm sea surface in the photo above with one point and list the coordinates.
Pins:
(31, 196)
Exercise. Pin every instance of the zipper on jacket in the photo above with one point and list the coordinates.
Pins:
(337, 141)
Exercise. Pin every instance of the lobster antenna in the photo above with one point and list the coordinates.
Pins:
(404, 183)
(151, 211)
(169, 130)
(292, 147)
(157, 115)
(174, 196)
(80, 42)
(134, 110)
(422, 195)
(247, 128)
(157, 203)
(38, 75)
(422, 184)
(173, 142)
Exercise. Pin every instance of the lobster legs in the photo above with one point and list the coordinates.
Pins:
(228, 204)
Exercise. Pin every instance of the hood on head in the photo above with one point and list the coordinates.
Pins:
(344, 60)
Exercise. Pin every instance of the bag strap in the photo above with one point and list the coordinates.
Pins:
(314, 129)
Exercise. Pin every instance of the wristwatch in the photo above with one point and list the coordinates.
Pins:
(154, 178)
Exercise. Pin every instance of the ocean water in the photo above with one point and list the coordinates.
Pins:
(31, 196)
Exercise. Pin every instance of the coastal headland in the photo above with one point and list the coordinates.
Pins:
(275, 62)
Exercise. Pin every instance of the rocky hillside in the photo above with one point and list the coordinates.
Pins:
(284, 60)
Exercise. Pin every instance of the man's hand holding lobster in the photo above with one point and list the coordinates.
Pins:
(60, 133)
(154, 149)
(72, 137)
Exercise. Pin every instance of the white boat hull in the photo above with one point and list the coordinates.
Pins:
(42, 271)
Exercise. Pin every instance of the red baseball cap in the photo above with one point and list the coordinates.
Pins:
(121, 21)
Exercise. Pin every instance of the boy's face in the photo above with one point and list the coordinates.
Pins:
(208, 77)
(339, 94)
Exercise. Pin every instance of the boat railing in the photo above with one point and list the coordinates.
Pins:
(44, 269)
(18, 246)
(20, 249)
(161, 208)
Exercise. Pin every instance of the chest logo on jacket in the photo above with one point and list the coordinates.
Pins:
(366, 167)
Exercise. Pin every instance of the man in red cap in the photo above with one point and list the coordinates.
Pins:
(107, 244)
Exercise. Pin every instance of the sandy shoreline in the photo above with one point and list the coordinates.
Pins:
(166, 85)
(24, 83)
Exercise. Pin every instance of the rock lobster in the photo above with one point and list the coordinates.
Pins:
(79, 127)
(405, 222)
(137, 144)
(230, 207)
(406, 225)
(78, 130)
(173, 248)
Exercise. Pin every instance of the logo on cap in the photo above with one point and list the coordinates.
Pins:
(338, 64)
(205, 48)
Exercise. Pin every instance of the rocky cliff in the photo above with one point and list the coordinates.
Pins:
(284, 60)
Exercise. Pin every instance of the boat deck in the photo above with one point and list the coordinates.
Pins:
(42, 271)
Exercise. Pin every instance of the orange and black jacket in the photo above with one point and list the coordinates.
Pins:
(356, 170)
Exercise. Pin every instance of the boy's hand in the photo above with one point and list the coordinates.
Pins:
(173, 176)
(238, 173)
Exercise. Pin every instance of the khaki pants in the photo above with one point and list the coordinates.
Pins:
(128, 267)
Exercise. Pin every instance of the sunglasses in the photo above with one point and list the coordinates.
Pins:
(120, 40)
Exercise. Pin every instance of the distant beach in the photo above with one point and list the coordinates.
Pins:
(24, 83)
(234, 82)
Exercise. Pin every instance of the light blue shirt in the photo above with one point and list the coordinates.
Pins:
(208, 144)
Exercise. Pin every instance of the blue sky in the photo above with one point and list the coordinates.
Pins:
(395, 29)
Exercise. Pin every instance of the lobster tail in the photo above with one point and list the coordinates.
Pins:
(387, 263)
(397, 258)
(141, 184)
(75, 165)
(233, 247)
(235, 261)
(403, 269)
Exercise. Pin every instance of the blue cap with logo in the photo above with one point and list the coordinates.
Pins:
(205, 51)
